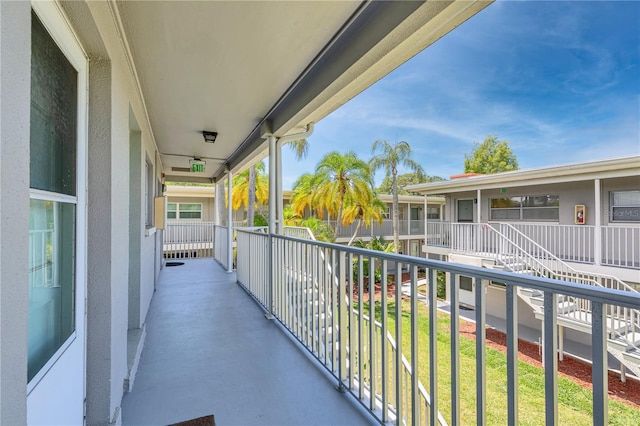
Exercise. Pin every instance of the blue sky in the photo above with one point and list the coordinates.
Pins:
(559, 80)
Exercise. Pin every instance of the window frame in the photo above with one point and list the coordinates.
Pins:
(613, 206)
(66, 40)
(521, 208)
(177, 212)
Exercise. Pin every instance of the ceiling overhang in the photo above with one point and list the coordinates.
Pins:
(229, 67)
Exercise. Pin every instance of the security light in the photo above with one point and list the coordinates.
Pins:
(209, 137)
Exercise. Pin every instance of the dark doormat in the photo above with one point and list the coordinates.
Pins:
(174, 263)
(200, 421)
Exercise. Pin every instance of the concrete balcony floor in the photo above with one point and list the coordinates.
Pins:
(210, 350)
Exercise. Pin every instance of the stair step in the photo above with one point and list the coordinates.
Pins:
(632, 356)
(566, 307)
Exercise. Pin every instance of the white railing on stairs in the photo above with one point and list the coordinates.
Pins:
(520, 254)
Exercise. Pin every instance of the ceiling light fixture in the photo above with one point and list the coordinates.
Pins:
(209, 137)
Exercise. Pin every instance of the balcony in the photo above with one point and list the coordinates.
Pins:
(210, 350)
(314, 289)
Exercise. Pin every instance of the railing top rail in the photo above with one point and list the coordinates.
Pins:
(604, 295)
(252, 229)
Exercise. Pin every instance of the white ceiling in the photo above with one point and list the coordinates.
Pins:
(226, 66)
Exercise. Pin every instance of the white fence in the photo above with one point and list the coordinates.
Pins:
(188, 240)
(313, 289)
(221, 244)
(619, 245)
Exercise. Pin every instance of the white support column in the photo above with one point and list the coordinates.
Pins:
(216, 213)
(272, 184)
(408, 224)
(426, 207)
(229, 225)
(597, 217)
(479, 206)
(279, 200)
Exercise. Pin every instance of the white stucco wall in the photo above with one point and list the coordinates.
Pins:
(113, 94)
(15, 65)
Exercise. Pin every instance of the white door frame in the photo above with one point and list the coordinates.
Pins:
(55, 395)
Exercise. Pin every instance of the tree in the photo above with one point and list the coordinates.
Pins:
(392, 156)
(490, 156)
(300, 147)
(339, 181)
(405, 180)
(252, 180)
(364, 211)
(304, 194)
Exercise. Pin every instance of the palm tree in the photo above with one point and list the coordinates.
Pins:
(304, 193)
(300, 147)
(248, 187)
(341, 180)
(392, 156)
(364, 211)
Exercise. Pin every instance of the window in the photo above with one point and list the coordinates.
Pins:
(466, 283)
(148, 193)
(184, 211)
(387, 213)
(530, 208)
(53, 199)
(433, 212)
(624, 206)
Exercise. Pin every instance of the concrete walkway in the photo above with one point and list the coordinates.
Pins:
(210, 350)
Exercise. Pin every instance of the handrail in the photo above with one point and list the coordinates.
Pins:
(407, 367)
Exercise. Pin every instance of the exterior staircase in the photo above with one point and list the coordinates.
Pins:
(513, 251)
(310, 303)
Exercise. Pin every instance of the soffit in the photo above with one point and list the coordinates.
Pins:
(228, 66)
(220, 66)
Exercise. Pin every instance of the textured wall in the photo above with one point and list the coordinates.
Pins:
(15, 63)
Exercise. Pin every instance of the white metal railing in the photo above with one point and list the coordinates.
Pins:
(621, 246)
(438, 234)
(42, 268)
(221, 243)
(188, 239)
(298, 232)
(312, 289)
(377, 229)
(573, 243)
(520, 254)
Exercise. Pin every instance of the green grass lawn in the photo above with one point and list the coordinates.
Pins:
(574, 402)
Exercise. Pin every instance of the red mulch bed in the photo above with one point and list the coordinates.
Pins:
(571, 368)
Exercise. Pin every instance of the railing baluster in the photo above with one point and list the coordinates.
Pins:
(352, 326)
(384, 372)
(413, 279)
(398, 357)
(360, 327)
(342, 322)
(372, 332)
(550, 357)
(433, 346)
(512, 354)
(599, 364)
(455, 350)
(481, 384)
